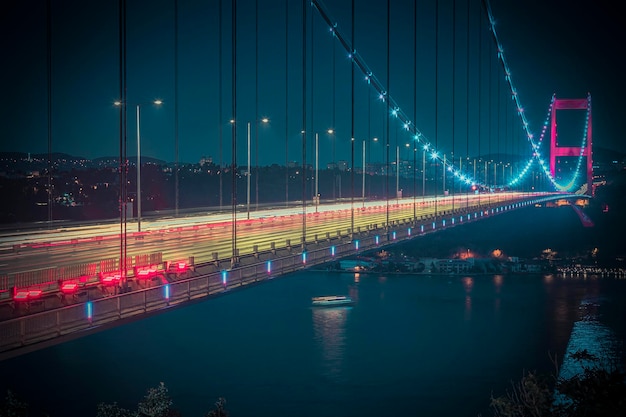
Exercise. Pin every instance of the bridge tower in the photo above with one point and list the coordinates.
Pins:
(575, 151)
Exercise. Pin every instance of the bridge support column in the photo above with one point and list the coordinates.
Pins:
(557, 151)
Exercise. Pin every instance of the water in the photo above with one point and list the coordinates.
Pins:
(411, 345)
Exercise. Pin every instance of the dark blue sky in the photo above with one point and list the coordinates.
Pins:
(558, 47)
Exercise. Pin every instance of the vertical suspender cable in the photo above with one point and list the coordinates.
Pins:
(489, 112)
(256, 100)
(352, 130)
(287, 103)
(498, 130)
(453, 93)
(234, 130)
(436, 94)
(467, 94)
(304, 80)
(334, 138)
(312, 93)
(123, 159)
(176, 173)
(49, 103)
(414, 103)
(480, 91)
(219, 87)
(369, 137)
(386, 119)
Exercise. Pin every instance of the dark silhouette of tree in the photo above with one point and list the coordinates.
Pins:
(12, 406)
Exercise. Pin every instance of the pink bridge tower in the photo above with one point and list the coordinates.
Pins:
(575, 151)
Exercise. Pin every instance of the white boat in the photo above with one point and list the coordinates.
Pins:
(331, 301)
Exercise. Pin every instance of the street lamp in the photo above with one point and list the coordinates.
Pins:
(316, 197)
(424, 149)
(434, 156)
(331, 132)
(364, 167)
(264, 120)
(158, 103)
(444, 174)
(397, 172)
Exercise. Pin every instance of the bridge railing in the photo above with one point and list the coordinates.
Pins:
(50, 326)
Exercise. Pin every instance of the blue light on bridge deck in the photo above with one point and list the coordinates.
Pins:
(422, 228)
(394, 235)
(452, 220)
(303, 257)
(377, 239)
(166, 291)
(443, 222)
(409, 231)
(434, 225)
(89, 310)
(332, 251)
(269, 267)
(475, 216)
(356, 245)
(224, 277)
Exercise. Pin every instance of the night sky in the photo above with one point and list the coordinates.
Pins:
(553, 47)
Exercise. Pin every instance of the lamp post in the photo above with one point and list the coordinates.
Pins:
(397, 172)
(363, 185)
(316, 197)
(444, 175)
(331, 132)
(424, 149)
(264, 120)
(248, 176)
(119, 103)
(138, 172)
(434, 156)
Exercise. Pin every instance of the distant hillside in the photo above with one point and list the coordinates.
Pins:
(56, 156)
(131, 159)
(607, 155)
(53, 156)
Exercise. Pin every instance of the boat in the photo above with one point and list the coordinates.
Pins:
(331, 301)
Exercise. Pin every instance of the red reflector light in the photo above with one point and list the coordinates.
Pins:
(111, 279)
(21, 296)
(34, 294)
(69, 287)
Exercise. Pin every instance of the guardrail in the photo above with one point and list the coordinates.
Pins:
(53, 325)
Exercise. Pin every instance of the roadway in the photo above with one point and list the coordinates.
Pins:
(209, 237)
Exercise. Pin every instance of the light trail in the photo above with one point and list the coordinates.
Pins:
(203, 236)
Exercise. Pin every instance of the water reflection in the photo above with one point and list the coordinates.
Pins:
(329, 326)
(468, 284)
(498, 280)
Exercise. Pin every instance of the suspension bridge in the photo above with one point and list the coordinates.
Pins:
(469, 153)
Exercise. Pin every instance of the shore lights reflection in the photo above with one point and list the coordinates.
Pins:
(468, 284)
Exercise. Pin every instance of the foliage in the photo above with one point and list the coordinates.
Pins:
(594, 392)
(13, 406)
(113, 410)
(531, 396)
(219, 409)
(156, 403)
